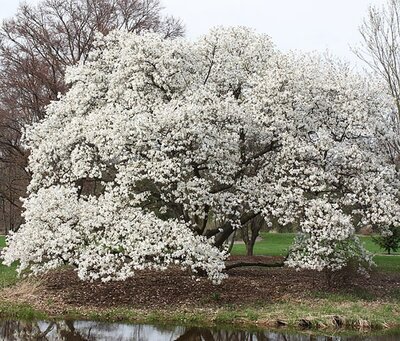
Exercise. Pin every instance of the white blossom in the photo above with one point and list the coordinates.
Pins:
(161, 148)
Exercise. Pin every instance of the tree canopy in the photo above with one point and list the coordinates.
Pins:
(162, 148)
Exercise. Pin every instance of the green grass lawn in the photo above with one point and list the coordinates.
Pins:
(388, 263)
(277, 244)
(272, 244)
(8, 275)
(2, 241)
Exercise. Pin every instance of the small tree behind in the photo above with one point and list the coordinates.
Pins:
(250, 232)
(389, 242)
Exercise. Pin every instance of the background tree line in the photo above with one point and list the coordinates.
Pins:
(36, 46)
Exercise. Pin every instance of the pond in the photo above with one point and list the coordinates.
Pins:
(88, 330)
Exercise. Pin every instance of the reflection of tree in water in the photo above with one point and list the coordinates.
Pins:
(67, 331)
(33, 330)
(18, 330)
(75, 331)
(202, 334)
(92, 331)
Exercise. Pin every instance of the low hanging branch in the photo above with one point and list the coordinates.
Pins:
(261, 264)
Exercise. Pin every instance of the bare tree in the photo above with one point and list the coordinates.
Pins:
(36, 46)
(380, 50)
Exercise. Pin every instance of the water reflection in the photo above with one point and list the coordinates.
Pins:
(88, 331)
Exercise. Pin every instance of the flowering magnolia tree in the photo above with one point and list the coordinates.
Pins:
(163, 148)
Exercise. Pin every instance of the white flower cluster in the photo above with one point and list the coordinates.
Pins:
(104, 238)
(326, 240)
(162, 148)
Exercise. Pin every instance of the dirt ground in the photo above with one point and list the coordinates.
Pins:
(244, 286)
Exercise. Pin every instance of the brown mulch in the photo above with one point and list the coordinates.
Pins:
(174, 288)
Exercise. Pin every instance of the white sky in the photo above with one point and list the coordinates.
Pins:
(305, 25)
(292, 24)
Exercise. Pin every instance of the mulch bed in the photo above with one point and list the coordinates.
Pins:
(174, 288)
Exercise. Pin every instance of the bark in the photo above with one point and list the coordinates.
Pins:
(243, 264)
(250, 232)
(250, 249)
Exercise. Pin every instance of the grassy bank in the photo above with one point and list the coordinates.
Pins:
(326, 314)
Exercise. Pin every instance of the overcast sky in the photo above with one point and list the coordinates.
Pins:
(293, 24)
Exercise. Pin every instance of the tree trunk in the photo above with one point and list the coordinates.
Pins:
(250, 232)
(249, 249)
(232, 241)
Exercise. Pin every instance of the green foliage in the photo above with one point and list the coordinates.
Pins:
(389, 242)
(227, 316)
(21, 312)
